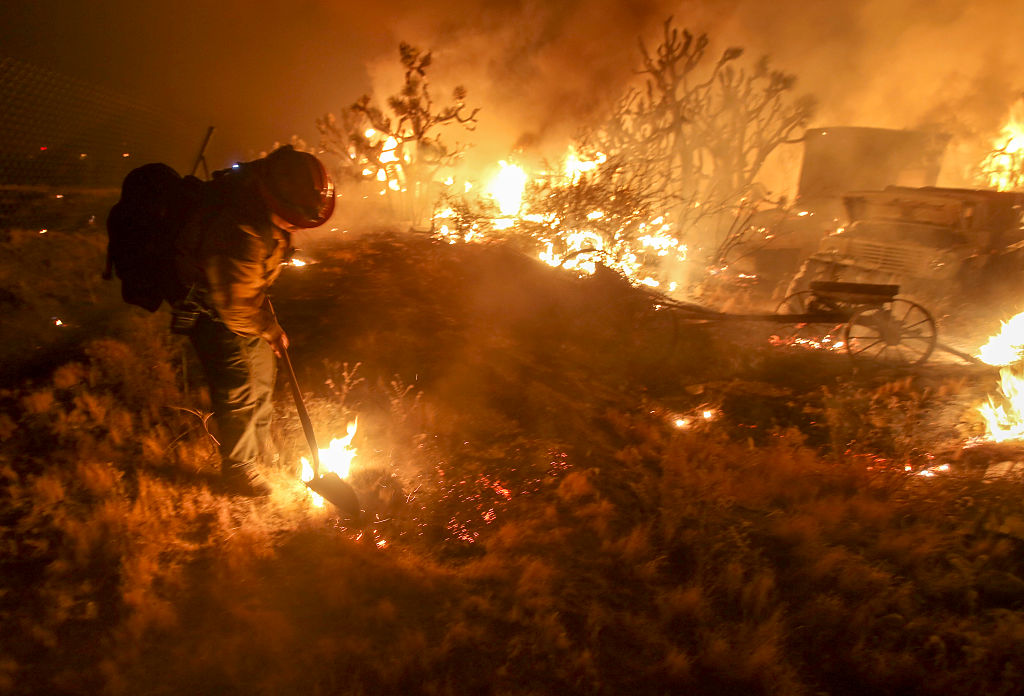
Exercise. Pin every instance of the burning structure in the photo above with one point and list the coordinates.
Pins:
(868, 211)
(836, 160)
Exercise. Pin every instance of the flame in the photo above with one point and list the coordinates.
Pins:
(628, 250)
(1006, 347)
(1005, 421)
(388, 153)
(336, 458)
(575, 167)
(1004, 414)
(1003, 168)
(507, 188)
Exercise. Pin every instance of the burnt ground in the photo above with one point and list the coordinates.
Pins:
(469, 321)
(547, 506)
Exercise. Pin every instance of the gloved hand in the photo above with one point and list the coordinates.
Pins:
(279, 344)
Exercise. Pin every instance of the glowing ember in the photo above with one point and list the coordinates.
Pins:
(507, 188)
(826, 342)
(336, 458)
(684, 422)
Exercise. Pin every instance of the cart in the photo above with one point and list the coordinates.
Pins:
(866, 321)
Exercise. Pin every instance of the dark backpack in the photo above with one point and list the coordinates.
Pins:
(156, 203)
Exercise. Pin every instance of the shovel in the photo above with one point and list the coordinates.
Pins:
(330, 486)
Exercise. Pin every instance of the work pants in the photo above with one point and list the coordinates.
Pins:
(240, 371)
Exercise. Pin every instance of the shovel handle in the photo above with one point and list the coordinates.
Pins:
(300, 406)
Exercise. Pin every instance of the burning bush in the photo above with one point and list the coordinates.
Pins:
(671, 172)
(1003, 167)
(400, 147)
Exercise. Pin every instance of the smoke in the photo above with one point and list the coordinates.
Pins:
(541, 71)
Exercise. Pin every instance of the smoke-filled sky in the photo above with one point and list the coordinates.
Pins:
(262, 70)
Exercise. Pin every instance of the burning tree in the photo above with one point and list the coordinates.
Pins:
(694, 137)
(399, 146)
(677, 160)
(1003, 167)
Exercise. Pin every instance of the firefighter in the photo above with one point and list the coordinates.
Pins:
(228, 256)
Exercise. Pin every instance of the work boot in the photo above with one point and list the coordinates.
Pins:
(243, 480)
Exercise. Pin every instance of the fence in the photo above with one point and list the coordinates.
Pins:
(65, 145)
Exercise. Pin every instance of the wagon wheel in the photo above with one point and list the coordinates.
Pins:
(809, 334)
(655, 332)
(899, 333)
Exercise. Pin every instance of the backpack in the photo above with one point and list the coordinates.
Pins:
(142, 227)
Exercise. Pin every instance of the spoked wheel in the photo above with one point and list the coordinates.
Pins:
(825, 335)
(898, 333)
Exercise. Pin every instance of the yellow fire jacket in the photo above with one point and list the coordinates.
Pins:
(235, 253)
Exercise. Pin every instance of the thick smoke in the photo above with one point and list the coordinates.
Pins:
(539, 69)
(542, 70)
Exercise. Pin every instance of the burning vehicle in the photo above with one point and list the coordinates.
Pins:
(772, 244)
(932, 241)
(868, 211)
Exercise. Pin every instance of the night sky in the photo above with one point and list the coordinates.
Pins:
(262, 71)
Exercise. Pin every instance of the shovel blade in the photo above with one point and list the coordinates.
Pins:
(336, 491)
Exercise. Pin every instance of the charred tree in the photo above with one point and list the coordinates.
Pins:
(692, 139)
(400, 145)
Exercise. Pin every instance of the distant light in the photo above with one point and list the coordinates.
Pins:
(59, 195)
(125, 154)
(234, 166)
(83, 156)
(56, 321)
(43, 231)
(42, 148)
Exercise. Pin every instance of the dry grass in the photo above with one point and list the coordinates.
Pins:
(548, 529)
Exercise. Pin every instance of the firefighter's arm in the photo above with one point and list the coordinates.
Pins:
(238, 290)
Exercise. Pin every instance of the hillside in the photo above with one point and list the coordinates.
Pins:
(554, 501)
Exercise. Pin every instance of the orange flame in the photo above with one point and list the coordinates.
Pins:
(1004, 414)
(1003, 168)
(337, 458)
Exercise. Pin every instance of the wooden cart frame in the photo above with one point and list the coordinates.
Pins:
(866, 321)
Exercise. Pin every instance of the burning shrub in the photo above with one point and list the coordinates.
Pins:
(672, 169)
(1003, 167)
(399, 148)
